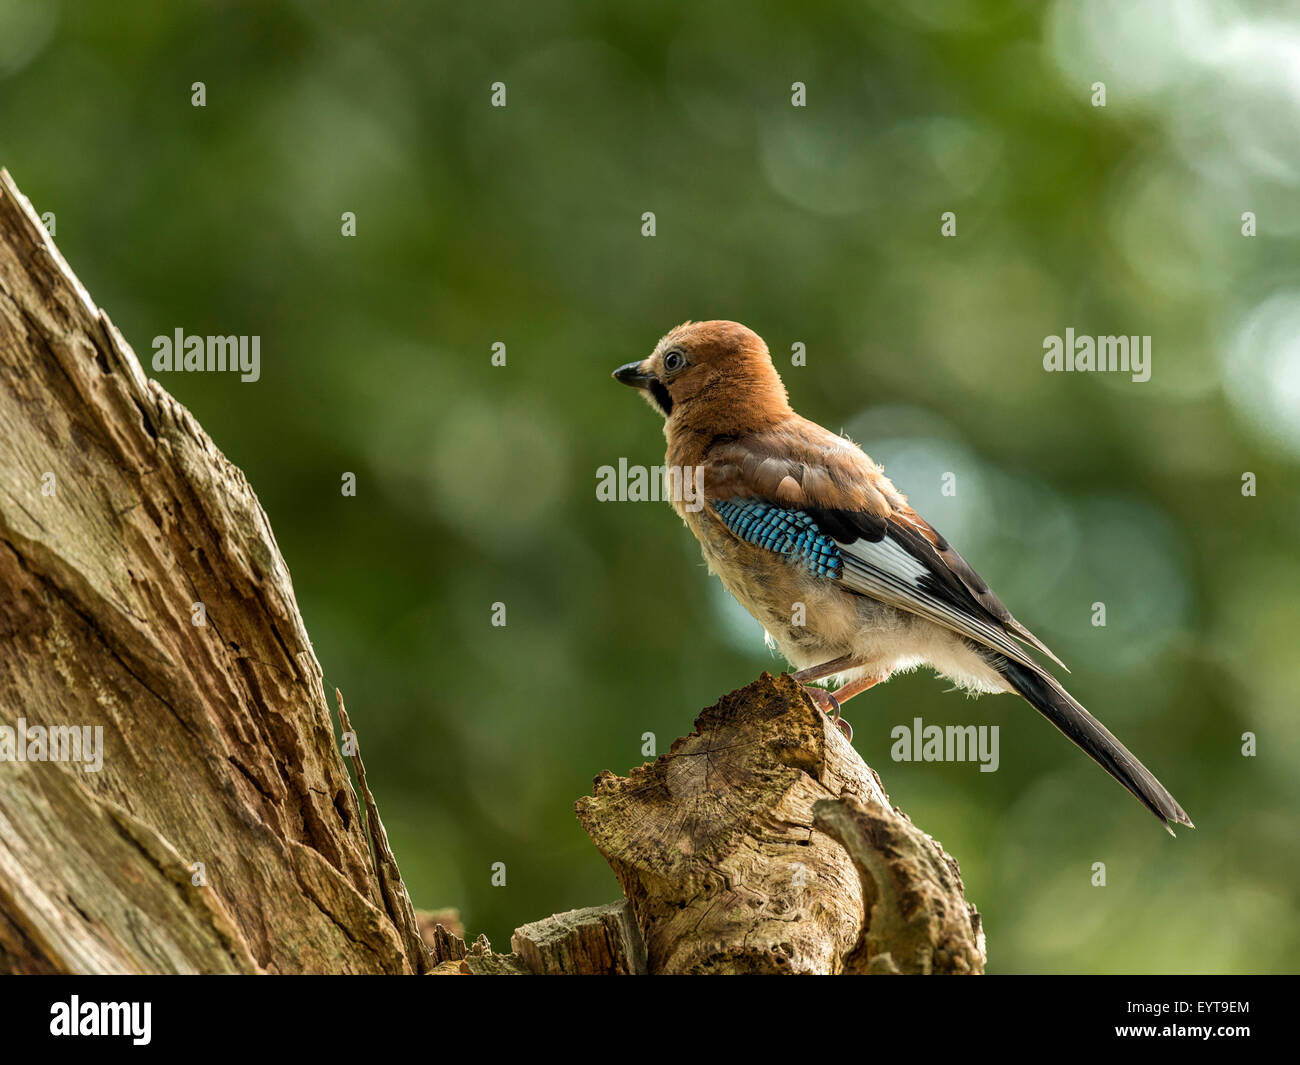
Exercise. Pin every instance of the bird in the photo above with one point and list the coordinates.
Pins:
(851, 584)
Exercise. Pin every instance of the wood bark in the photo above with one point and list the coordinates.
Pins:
(222, 833)
(142, 593)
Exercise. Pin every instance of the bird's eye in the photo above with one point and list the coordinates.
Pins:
(674, 360)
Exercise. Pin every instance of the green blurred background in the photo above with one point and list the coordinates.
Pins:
(816, 225)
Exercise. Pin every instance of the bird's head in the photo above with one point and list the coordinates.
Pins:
(716, 373)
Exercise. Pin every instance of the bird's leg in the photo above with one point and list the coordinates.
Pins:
(857, 687)
(836, 665)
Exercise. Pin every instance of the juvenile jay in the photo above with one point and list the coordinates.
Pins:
(794, 514)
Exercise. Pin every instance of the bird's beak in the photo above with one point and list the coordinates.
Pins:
(631, 375)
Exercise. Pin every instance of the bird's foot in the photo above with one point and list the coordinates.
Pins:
(829, 705)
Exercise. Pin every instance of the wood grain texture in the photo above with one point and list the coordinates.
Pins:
(725, 866)
(918, 920)
(596, 941)
(117, 515)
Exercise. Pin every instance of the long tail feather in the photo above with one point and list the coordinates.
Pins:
(1046, 696)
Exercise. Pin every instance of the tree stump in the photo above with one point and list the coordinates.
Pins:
(762, 843)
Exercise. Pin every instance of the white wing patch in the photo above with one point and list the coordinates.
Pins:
(888, 556)
(887, 571)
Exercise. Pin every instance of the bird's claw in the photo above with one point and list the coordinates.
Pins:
(829, 705)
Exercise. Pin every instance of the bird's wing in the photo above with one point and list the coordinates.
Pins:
(886, 550)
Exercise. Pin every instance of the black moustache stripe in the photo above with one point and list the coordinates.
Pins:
(662, 397)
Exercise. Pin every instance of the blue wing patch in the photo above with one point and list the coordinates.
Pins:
(787, 532)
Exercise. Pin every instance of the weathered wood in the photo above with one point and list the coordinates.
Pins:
(397, 903)
(222, 833)
(435, 926)
(596, 941)
(452, 957)
(485, 963)
(918, 921)
(717, 850)
(445, 942)
(713, 843)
